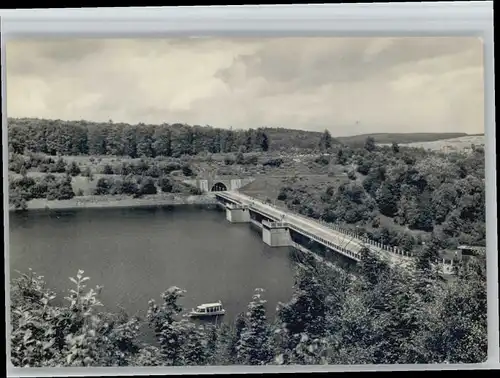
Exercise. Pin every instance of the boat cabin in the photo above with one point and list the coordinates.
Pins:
(208, 309)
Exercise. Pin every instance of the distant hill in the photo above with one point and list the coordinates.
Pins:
(400, 138)
(282, 139)
(451, 144)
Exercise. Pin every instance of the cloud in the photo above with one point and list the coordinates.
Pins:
(347, 85)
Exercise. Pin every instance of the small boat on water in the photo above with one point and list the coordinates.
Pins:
(208, 309)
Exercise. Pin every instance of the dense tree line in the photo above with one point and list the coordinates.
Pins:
(421, 190)
(56, 137)
(83, 137)
(379, 315)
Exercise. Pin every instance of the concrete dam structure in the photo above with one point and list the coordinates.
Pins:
(281, 228)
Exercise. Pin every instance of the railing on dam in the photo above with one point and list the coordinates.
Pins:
(354, 235)
(275, 224)
(322, 259)
(256, 223)
(343, 250)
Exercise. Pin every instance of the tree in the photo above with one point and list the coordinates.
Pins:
(240, 158)
(107, 169)
(165, 322)
(248, 140)
(186, 170)
(365, 166)
(371, 267)
(17, 140)
(18, 199)
(254, 345)
(45, 335)
(429, 256)
(325, 142)
(97, 140)
(60, 166)
(395, 147)
(129, 186)
(147, 356)
(370, 144)
(103, 186)
(73, 169)
(399, 312)
(165, 184)
(114, 140)
(162, 144)
(459, 334)
(147, 186)
(66, 189)
(194, 349)
(129, 136)
(444, 200)
(303, 315)
(387, 200)
(233, 336)
(264, 143)
(144, 135)
(372, 182)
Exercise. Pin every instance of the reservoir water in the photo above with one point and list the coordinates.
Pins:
(137, 253)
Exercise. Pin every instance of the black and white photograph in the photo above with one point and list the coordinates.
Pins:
(210, 201)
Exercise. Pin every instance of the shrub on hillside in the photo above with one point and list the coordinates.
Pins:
(273, 162)
(322, 160)
(187, 171)
(103, 186)
(147, 186)
(107, 170)
(195, 191)
(60, 189)
(73, 169)
(165, 184)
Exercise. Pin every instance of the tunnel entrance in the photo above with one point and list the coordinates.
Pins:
(219, 187)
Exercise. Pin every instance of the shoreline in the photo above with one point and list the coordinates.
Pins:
(118, 201)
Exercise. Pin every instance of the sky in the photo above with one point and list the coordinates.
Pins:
(346, 85)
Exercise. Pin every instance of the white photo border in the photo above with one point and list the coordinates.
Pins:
(341, 20)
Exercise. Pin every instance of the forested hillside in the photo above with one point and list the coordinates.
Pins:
(55, 137)
(399, 196)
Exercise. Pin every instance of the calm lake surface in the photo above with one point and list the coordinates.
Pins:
(136, 254)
